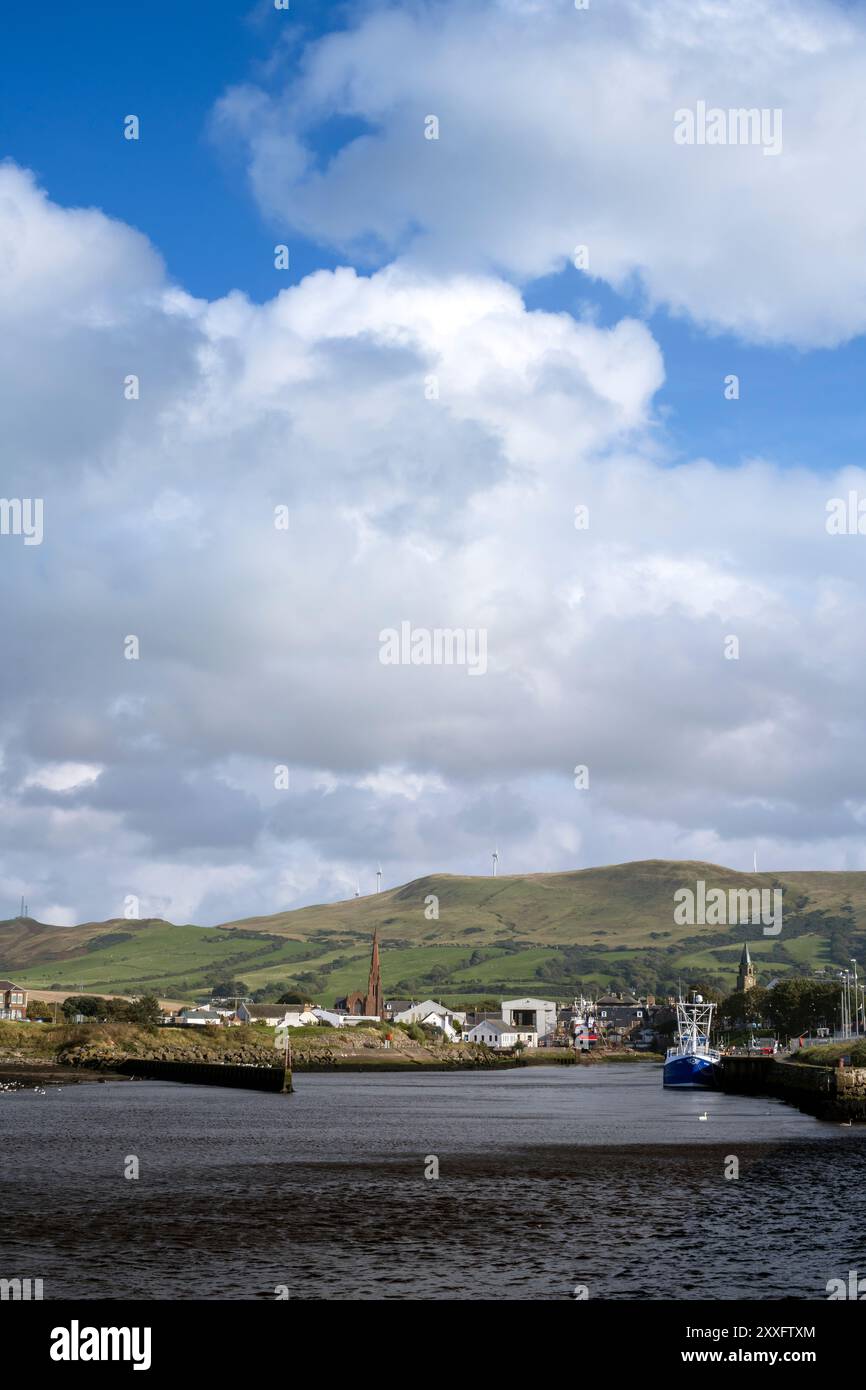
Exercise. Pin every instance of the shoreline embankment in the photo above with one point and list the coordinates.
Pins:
(835, 1093)
(100, 1051)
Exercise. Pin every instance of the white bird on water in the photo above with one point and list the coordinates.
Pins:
(705, 1116)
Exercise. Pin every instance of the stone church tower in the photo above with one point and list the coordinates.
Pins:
(746, 974)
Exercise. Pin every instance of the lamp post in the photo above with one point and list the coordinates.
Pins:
(847, 989)
(856, 1000)
(843, 979)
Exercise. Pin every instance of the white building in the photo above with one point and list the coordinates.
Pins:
(331, 1016)
(414, 1013)
(340, 1020)
(197, 1018)
(277, 1015)
(435, 1015)
(444, 1021)
(298, 1016)
(499, 1035)
(538, 1015)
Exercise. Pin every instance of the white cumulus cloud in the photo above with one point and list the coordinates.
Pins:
(556, 130)
(446, 508)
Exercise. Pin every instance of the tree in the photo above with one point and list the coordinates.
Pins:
(144, 1011)
(745, 1007)
(86, 1004)
(290, 998)
(226, 989)
(798, 1005)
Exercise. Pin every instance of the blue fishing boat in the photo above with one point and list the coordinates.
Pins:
(691, 1062)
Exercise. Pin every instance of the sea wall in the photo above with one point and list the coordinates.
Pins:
(829, 1093)
(253, 1078)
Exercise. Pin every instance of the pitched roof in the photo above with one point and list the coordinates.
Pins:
(7, 984)
(501, 1026)
(272, 1010)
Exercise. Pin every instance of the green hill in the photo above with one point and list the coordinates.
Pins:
(609, 927)
(625, 902)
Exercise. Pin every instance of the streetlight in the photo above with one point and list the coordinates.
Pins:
(847, 989)
(843, 979)
(856, 1000)
(847, 994)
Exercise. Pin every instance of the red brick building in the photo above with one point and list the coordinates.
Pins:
(13, 1000)
(372, 1003)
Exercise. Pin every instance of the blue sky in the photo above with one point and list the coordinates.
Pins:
(71, 73)
(775, 416)
(448, 506)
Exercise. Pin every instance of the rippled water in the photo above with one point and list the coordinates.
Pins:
(549, 1178)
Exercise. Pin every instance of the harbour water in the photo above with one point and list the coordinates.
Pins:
(549, 1179)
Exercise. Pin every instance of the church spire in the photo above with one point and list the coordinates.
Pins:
(374, 1003)
(746, 978)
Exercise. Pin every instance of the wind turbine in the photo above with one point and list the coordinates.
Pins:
(357, 889)
(756, 861)
(378, 877)
(495, 861)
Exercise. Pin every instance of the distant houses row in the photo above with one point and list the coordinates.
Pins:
(519, 1023)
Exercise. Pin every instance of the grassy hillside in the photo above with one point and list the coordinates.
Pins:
(165, 958)
(553, 934)
(24, 942)
(630, 902)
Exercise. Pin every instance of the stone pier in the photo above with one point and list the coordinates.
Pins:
(209, 1074)
(829, 1093)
